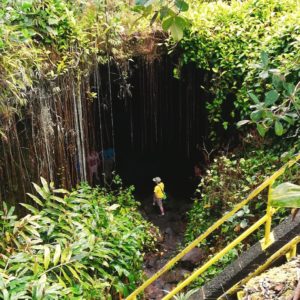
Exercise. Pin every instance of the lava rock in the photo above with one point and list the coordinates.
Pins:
(193, 258)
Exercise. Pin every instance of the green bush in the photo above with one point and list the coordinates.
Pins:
(227, 38)
(227, 182)
(84, 244)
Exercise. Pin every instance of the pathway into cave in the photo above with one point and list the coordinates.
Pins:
(172, 228)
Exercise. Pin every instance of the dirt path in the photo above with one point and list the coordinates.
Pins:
(172, 227)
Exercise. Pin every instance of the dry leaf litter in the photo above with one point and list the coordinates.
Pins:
(277, 283)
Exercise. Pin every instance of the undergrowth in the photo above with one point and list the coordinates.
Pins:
(83, 244)
(228, 180)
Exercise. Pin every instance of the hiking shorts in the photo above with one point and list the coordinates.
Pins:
(158, 201)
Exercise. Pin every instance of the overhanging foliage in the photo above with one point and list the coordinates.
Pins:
(84, 244)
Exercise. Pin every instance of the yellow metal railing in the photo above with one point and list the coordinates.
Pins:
(267, 219)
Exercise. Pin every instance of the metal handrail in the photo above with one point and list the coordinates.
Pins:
(284, 250)
(267, 219)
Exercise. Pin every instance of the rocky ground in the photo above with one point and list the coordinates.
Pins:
(277, 283)
(172, 227)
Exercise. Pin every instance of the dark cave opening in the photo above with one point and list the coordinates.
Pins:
(158, 121)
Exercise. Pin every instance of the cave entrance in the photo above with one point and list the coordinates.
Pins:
(157, 122)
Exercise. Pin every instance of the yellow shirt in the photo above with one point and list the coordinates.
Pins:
(158, 190)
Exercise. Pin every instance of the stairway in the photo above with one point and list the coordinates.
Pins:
(248, 262)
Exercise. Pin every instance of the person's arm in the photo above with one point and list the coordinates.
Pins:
(156, 190)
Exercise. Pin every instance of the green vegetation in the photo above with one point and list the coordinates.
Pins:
(88, 243)
(228, 40)
(227, 182)
(84, 244)
(280, 105)
(168, 13)
(251, 49)
(286, 195)
(42, 40)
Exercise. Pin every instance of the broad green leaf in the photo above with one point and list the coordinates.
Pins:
(180, 22)
(30, 208)
(278, 128)
(58, 199)
(264, 58)
(182, 5)
(166, 11)
(46, 257)
(261, 129)
(277, 82)
(45, 185)
(113, 207)
(74, 273)
(26, 5)
(42, 193)
(56, 254)
(286, 195)
(35, 199)
(66, 255)
(271, 97)
(177, 30)
(256, 115)
(166, 24)
(61, 191)
(254, 97)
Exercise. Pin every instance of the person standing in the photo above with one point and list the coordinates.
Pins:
(159, 194)
(93, 162)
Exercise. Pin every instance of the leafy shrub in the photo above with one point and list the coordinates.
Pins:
(279, 107)
(226, 39)
(227, 182)
(84, 244)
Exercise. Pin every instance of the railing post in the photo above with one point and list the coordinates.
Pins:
(291, 253)
(269, 213)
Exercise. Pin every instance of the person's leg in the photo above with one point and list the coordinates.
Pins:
(159, 202)
(154, 200)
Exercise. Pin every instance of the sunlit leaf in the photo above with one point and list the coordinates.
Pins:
(30, 208)
(56, 254)
(42, 193)
(45, 185)
(46, 257)
(35, 199)
(278, 128)
(166, 24)
(286, 195)
(244, 224)
(242, 122)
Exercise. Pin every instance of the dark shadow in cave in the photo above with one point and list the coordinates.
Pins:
(158, 127)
